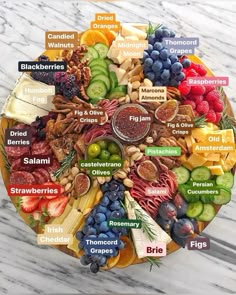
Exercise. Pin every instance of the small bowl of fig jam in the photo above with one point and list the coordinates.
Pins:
(131, 123)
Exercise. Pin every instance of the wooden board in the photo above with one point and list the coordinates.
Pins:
(6, 123)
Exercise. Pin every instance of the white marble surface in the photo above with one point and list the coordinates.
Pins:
(26, 268)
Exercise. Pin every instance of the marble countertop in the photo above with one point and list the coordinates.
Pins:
(26, 268)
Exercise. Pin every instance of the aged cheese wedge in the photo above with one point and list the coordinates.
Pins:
(24, 105)
(128, 30)
(140, 238)
(196, 160)
(216, 170)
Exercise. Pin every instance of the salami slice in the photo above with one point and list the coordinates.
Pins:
(54, 167)
(16, 166)
(38, 177)
(21, 177)
(44, 173)
(17, 151)
(40, 148)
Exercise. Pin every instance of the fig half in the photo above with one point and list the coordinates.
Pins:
(82, 184)
(167, 111)
(148, 171)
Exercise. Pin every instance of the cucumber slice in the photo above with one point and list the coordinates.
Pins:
(102, 49)
(100, 69)
(223, 198)
(103, 78)
(226, 180)
(98, 62)
(108, 61)
(114, 80)
(118, 92)
(95, 73)
(183, 188)
(91, 54)
(201, 173)
(206, 199)
(182, 174)
(194, 209)
(208, 213)
(96, 90)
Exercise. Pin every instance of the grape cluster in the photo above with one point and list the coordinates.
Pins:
(158, 66)
(96, 224)
(180, 229)
(65, 84)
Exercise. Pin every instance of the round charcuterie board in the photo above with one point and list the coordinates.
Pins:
(119, 159)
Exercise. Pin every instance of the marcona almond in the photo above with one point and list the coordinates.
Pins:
(127, 99)
(53, 178)
(128, 182)
(129, 88)
(130, 150)
(95, 183)
(70, 177)
(136, 85)
(121, 174)
(148, 83)
(64, 181)
(134, 96)
(135, 79)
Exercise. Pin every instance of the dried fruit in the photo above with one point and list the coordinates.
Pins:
(167, 111)
(147, 171)
(82, 184)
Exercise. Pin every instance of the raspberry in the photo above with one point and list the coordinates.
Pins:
(218, 106)
(191, 103)
(211, 116)
(203, 108)
(198, 90)
(198, 98)
(201, 70)
(209, 88)
(213, 96)
(184, 88)
(192, 73)
(218, 117)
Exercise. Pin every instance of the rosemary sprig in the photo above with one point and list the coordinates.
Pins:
(151, 28)
(4, 153)
(153, 261)
(146, 226)
(65, 164)
(200, 122)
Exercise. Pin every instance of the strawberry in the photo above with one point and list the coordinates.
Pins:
(184, 88)
(218, 117)
(218, 106)
(57, 206)
(203, 108)
(53, 197)
(209, 88)
(29, 203)
(190, 102)
(198, 90)
(43, 205)
(212, 96)
(211, 116)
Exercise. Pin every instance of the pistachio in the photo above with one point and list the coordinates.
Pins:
(130, 150)
(64, 181)
(68, 186)
(53, 178)
(149, 139)
(137, 156)
(74, 171)
(101, 180)
(128, 182)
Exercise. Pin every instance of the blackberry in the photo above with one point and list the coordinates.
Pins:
(45, 77)
(43, 58)
(60, 77)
